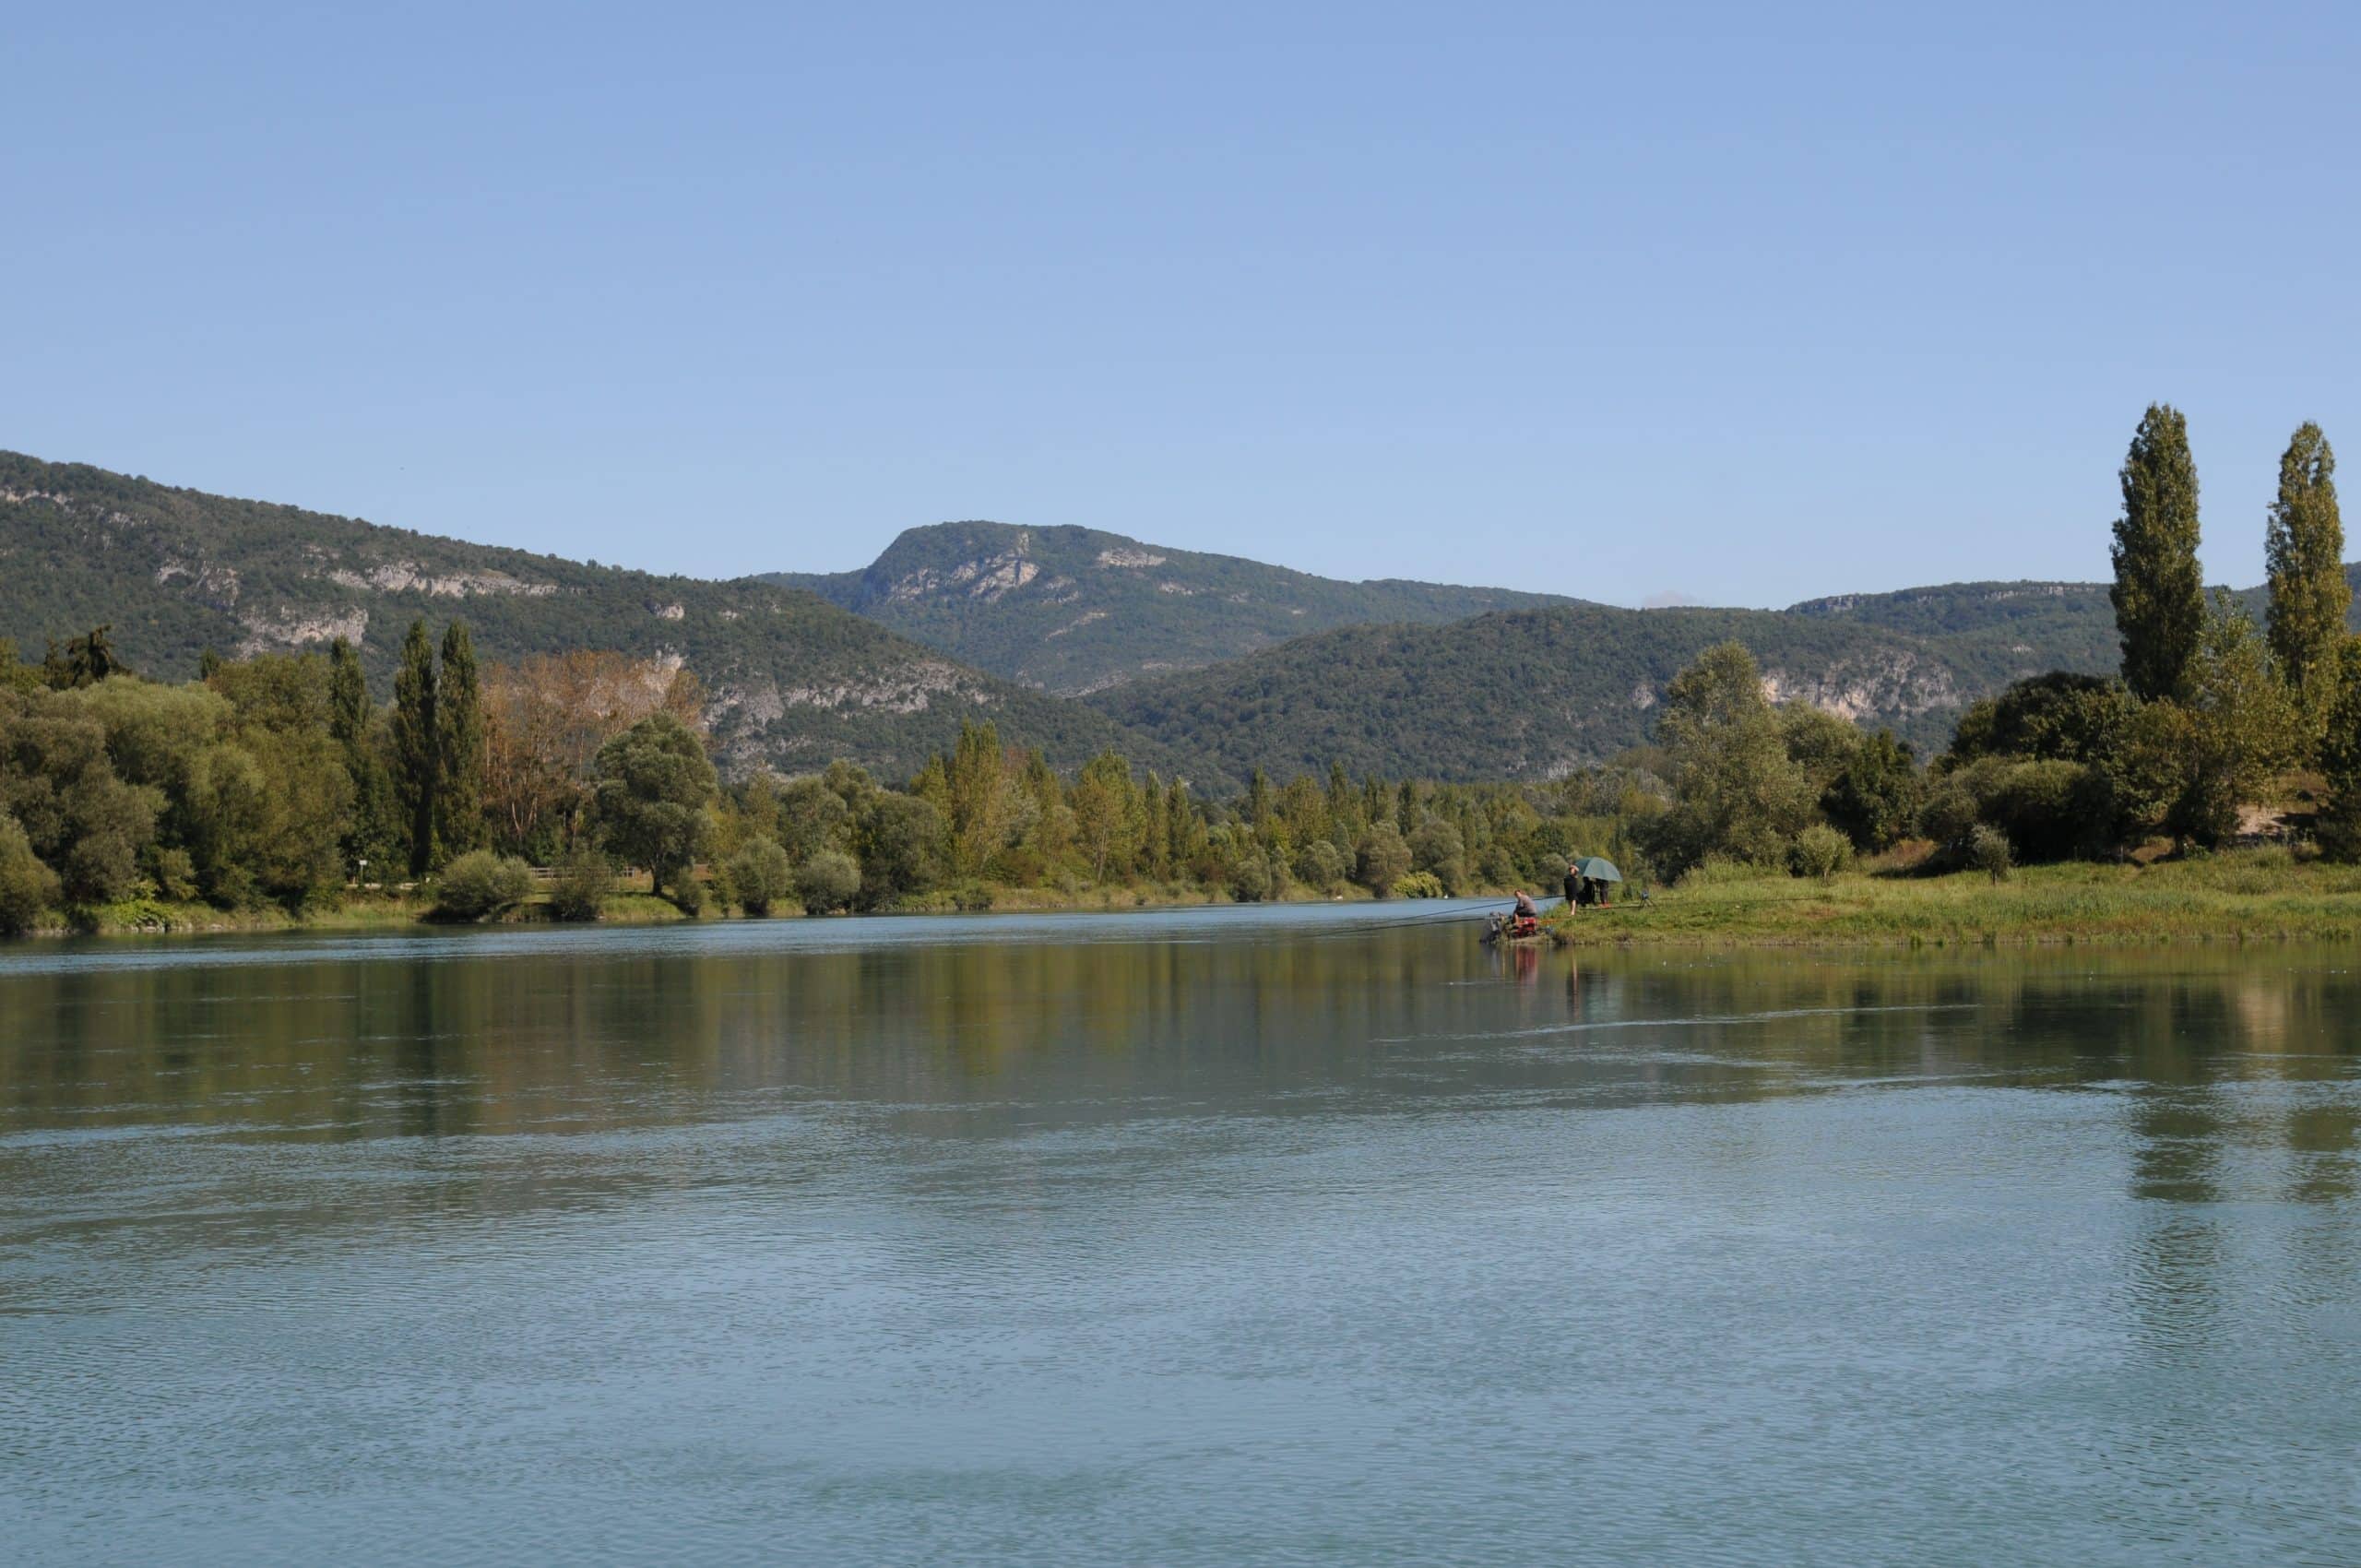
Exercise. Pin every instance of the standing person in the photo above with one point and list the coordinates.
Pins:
(1574, 884)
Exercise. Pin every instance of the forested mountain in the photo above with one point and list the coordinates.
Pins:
(1073, 610)
(1530, 692)
(793, 681)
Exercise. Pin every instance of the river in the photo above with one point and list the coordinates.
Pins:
(1285, 1236)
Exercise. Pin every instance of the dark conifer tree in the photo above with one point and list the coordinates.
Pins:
(377, 831)
(459, 823)
(347, 696)
(417, 747)
(2159, 593)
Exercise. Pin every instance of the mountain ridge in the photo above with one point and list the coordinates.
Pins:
(1073, 610)
(792, 679)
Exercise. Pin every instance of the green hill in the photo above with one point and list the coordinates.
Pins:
(1533, 693)
(1073, 610)
(794, 680)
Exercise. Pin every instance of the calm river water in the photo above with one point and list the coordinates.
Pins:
(1294, 1236)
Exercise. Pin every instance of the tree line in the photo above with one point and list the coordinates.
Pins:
(276, 780)
(2209, 713)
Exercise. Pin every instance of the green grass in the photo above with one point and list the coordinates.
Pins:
(2238, 896)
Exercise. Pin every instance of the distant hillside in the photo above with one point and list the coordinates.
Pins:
(1534, 693)
(795, 681)
(1073, 610)
(2054, 625)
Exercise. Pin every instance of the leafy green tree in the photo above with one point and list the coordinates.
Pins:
(2303, 544)
(811, 817)
(900, 839)
(762, 876)
(459, 822)
(829, 880)
(1184, 828)
(27, 886)
(1439, 849)
(2241, 726)
(347, 696)
(1989, 852)
(2060, 716)
(480, 882)
(1874, 799)
(2159, 593)
(1249, 866)
(15, 675)
(417, 747)
(1736, 790)
(1259, 803)
(1155, 858)
(2340, 819)
(1105, 812)
(374, 828)
(1818, 741)
(584, 880)
(81, 819)
(1382, 858)
(654, 784)
(1821, 851)
(987, 803)
(1321, 864)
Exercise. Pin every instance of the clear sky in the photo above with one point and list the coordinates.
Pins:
(1751, 302)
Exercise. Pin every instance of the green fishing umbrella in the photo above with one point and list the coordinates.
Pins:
(1597, 870)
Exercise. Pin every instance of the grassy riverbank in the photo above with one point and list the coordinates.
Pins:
(2236, 896)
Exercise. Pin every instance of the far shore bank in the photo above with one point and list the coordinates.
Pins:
(391, 910)
(2235, 896)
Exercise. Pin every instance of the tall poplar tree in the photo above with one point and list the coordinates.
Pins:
(2159, 593)
(417, 747)
(2305, 547)
(374, 831)
(459, 823)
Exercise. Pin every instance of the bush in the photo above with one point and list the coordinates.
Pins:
(480, 882)
(1988, 851)
(172, 872)
(584, 880)
(762, 876)
(1417, 884)
(27, 886)
(1249, 878)
(688, 894)
(1820, 851)
(1949, 815)
(1382, 858)
(2042, 806)
(828, 880)
(1319, 864)
(1437, 847)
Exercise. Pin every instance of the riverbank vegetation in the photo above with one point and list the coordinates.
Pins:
(2067, 805)
(273, 788)
(272, 791)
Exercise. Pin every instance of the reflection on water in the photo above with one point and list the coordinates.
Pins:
(1219, 1237)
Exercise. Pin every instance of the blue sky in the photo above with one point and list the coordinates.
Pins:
(1748, 302)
